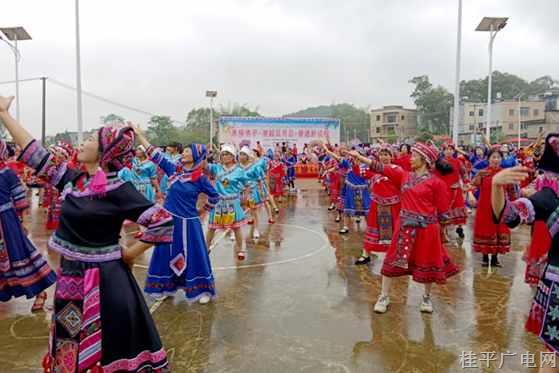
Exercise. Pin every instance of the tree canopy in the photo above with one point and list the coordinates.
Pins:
(505, 84)
(354, 120)
(433, 105)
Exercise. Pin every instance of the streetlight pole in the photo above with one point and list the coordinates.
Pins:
(17, 80)
(519, 119)
(79, 75)
(211, 95)
(16, 34)
(44, 111)
(457, 82)
(211, 121)
(493, 25)
(492, 35)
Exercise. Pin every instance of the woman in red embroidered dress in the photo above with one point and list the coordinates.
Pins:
(277, 173)
(535, 255)
(384, 211)
(490, 238)
(333, 177)
(454, 180)
(416, 249)
(404, 158)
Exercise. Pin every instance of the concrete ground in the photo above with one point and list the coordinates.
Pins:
(298, 304)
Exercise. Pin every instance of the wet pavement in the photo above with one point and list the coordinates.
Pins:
(298, 304)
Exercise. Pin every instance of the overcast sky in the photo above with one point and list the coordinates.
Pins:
(282, 56)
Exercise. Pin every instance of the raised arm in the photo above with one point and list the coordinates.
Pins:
(505, 177)
(331, 154)
(20, 135)
(256, 170)
(393, 172)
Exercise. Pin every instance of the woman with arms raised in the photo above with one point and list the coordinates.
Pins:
(542, 206)
(416, 249)
(100, 321)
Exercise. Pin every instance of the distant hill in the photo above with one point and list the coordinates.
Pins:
(335, 111)
(355, 122)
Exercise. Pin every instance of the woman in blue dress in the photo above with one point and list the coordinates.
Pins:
(479, 162)
(354, 194)
(143, 175)
(262, 191)
(230, 179)
(509, 159)
(23, 270)
(184, 264)
(252, 196)
(290, 161)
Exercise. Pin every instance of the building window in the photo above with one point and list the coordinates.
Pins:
(524, 126)
(541, 129)
(378, 118)
(378, 129)
(471, 127)
(472, 113)
(480, 112)
(391, 118)
(524, 111)
(511, 112)
(480, 125)
(403, 117)
(511, 126)
(536, 112)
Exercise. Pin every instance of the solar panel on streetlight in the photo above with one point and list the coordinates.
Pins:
(15, 33)
(497, 22)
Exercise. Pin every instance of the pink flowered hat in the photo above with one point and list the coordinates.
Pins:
(428, 152)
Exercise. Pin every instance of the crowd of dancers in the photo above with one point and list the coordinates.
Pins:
(413, 198)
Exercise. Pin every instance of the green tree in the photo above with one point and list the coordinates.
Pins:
(197, 129)
(354, 121)
(433, 105)
(424, 136)
(63, 137)
(542, 84)
(505, 84)
(161, 130)
(237, 110)
(112, 118)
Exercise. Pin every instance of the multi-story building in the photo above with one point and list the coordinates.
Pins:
(393, 122)
(506, 115)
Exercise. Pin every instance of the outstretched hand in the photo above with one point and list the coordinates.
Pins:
(5, 103)
(512, 175)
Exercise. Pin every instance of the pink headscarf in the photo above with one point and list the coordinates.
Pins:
(116, 149)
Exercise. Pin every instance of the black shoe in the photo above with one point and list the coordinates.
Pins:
(363, 260)
(344, 230)
(338, 219)
(460, 232)
(485, 264)
(331, 208)
(485, 260)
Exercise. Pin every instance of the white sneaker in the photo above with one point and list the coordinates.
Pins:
(204, 299)
(426, 305)
(382, 304)
(256, 234)
(232, 236)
